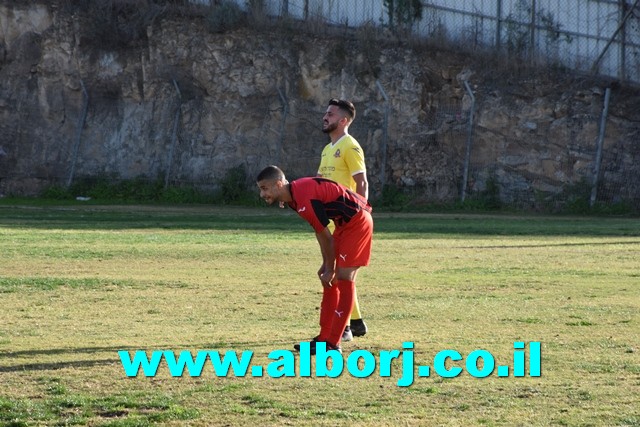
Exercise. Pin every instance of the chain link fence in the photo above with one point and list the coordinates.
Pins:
(594, 36)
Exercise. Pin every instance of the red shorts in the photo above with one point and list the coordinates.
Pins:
(352, 242)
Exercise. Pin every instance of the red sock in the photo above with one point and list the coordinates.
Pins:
(327, 310)
(342, 311)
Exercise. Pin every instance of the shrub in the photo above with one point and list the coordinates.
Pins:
(56, 192)
(116, 23)
(403, 13)
(224, 16)
(393, 198)
(233, 186)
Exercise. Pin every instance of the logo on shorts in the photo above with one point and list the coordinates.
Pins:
(337, 154)
(344, 257)
(302, 209)
(339, 313)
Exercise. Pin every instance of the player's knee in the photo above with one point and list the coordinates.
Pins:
(347, 273)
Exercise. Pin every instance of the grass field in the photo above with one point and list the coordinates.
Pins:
(79, 283)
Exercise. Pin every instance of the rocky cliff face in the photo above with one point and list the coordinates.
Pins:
(186, 105)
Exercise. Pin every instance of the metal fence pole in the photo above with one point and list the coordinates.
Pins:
(385, 137)
(174, 135)
(285, 113)
(598, 160)
(76, 145)
(467, 156)
(532, 32)
(499, 25)
(622, 73)
(596, 63)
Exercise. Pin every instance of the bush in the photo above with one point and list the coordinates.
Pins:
(116, 23)
(57, 192)
(111, 189)
(233, 187)
(224, 16)
(403, 13)
(393, 198)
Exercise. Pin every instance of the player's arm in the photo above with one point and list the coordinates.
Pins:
(354, 159)
(327, 270)
(362, 185)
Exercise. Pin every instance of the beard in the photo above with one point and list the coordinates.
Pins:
(330, 127)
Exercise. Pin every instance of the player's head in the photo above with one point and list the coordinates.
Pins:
(339, 115)
(271, 181)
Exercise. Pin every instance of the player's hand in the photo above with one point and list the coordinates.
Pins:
(326, 276)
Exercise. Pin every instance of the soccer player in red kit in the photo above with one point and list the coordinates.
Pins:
(319, 200)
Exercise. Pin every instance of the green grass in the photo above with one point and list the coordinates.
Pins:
(79, 282)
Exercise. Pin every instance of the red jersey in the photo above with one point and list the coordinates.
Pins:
(319, 200)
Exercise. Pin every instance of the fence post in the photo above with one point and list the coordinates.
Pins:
(76, 145)
(596, 63)
(499, 25)
(598, 160)
(285, 113)
(467, 156)
(174, 135)
(385, 137)
(532, 32)
(622, 74)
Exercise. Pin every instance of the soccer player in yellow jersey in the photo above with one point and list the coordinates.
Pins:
(342, 161)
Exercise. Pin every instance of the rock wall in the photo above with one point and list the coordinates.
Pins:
(186, 105)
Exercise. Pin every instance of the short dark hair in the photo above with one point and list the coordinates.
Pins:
(270, 172)
(346, 106)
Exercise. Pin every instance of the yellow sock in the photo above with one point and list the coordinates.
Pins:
(355, 314)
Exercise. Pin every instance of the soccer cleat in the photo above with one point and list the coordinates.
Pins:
(313, 341)
(312, 347)
(358, 327)
(347, 335)
(330, 347)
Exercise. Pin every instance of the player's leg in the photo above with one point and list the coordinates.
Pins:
(345, 284)
(353, 250)
(328, 307)
(355, 314)
(346, 334)
(357, 326)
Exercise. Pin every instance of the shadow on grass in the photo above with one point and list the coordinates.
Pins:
(286, 221)
(57, 365)
(549, 245)
(53, 351)
(237, 346)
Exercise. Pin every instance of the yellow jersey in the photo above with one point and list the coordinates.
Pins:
(342, 160)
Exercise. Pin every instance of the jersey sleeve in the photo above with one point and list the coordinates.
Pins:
(314, 213)
(354, 159)
(308, 203)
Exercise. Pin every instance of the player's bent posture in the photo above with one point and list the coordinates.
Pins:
(319, 200)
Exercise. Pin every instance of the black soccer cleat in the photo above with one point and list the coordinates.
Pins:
(358, 327)
(312, 347)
